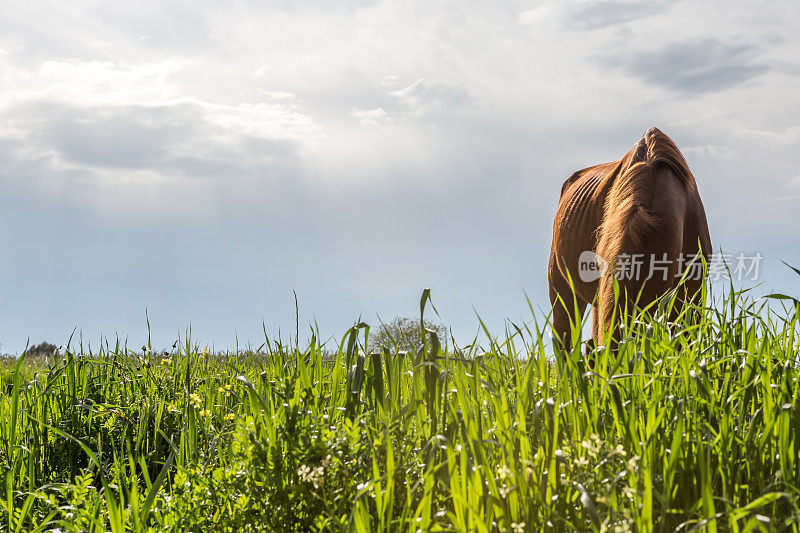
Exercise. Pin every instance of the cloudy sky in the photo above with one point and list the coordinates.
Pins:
(201, 160)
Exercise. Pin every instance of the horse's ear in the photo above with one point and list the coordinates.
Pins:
(641, 152)
(637, 154)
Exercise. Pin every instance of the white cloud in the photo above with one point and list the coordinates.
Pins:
(536, 16)
(712, 151)
(371, 117)
(774, 140)
(785, 198)
(93, 83)
(424, 96)
(260, 120)
(132, 122)
(589, 14)
(276, 95)
(262, 72)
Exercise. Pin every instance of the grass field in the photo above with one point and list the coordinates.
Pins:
(686, 427)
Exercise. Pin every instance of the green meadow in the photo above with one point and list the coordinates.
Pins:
(691, 425)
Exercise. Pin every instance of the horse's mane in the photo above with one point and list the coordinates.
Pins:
(627, 214)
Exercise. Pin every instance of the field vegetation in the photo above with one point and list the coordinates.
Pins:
(689, 425)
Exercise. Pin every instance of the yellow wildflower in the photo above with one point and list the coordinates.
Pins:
(194, 399)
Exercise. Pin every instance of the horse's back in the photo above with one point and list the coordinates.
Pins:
(579, 214)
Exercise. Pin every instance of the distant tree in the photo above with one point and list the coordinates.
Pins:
(403, 334)
(41, 350)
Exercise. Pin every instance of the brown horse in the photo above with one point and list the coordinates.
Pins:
(639, 220)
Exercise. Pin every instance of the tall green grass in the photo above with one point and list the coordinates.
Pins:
(689, 425)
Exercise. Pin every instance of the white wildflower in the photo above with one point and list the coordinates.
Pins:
(503, 472)
(580, 461)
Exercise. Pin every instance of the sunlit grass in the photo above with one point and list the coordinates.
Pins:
(693, 425)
